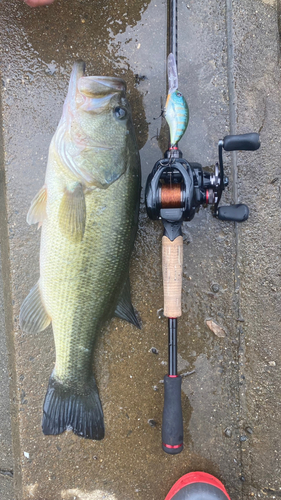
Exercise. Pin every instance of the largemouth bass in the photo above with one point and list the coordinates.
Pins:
(88, 209)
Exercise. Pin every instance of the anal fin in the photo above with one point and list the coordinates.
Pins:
(33, 315)
(37, 212)
(72, 214)
(124, 309)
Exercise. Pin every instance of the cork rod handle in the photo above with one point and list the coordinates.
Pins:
(172, 264)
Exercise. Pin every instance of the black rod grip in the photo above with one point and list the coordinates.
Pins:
(243, 142)
(172, 425)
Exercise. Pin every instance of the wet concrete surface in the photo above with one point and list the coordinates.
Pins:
(231, 274)
(258, 102)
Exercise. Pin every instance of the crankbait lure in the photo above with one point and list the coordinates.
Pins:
(176, 109)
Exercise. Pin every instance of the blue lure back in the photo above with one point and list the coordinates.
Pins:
(176, 113)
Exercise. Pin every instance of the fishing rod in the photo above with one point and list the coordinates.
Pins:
(173, 29)
(175, 189)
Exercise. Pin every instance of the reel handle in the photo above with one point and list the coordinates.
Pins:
(242, 142)
(234, 213)
(172, 269)
(172, 423)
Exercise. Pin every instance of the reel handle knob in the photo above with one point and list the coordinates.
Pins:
(234, 213)
(242, 142)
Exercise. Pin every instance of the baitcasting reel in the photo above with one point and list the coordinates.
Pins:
(176, 188)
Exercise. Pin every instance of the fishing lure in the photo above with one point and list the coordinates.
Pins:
(176, 109)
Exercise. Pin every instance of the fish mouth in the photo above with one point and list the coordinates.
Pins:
(92, 93)
(94, 85)
(99, 86)
(78, 71)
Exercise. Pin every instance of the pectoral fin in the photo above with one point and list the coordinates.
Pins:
(72, 214)
(124, 309)
(37, 211)
(33, 315)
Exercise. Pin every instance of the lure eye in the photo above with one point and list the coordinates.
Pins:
(120, 113)
(179, 94)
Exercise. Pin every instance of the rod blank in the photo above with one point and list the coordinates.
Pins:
(173, 29)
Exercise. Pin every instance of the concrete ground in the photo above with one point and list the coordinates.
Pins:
(229, 72)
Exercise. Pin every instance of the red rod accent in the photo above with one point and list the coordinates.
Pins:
(207, 196)
(173, 447)
(173, 376)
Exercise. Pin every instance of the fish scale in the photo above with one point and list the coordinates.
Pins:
(78, 281)
(88, 209)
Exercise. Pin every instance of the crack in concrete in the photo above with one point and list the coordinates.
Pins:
(264, 115)
(8, 316)
(279, 18)
(232, 120)
(7, 472)
(271, 491)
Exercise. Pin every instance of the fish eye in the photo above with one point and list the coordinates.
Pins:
(120, 113)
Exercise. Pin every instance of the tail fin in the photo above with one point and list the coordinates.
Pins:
(65, 408)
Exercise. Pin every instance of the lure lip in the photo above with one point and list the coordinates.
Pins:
(172, 73)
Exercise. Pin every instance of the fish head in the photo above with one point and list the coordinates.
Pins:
(97, 135)
(103, 110)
